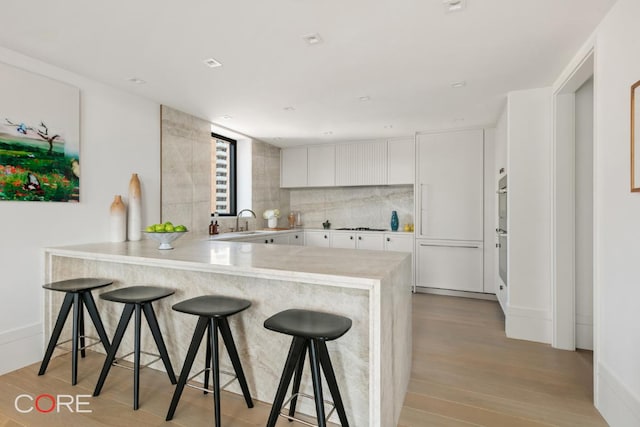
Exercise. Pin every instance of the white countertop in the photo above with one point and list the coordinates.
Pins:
(342, 267)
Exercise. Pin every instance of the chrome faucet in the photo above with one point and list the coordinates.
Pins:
(240, 213)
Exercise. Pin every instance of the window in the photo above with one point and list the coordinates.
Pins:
(223, 175)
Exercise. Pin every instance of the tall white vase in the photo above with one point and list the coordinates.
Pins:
(134, 213)
(117, 220)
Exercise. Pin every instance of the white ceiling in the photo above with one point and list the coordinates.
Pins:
(403, 54)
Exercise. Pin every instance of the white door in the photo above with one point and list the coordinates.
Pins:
(450, 185)
(293, 167)
(448, 266)
(345, 240)
(317, 238)
(372, 241)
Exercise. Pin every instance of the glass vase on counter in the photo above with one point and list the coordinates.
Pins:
(394, 221)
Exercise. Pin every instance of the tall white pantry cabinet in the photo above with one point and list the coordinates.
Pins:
(449, 210)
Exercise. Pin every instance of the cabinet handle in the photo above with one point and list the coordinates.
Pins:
(271, 241)
(450, 246)
(266, 241)
(501, 287)
(388, 239)
(359, 237)
(296, 236)
(325, 236)
(350, 237)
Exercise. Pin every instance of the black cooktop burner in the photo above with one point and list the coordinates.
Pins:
(361, 229)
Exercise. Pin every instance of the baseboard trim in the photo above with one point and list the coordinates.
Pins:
(617, 404)
(528, 324)
(20, 347)
(451, 293)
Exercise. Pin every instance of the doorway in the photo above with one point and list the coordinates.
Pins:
(572, 251)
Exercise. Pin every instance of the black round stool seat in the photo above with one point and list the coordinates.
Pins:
(78, 285)
(137, 294)
(212, 306)
(309, 324)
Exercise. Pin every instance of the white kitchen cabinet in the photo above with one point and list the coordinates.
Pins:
(361, 163)
(455, 266)
(297, 238)
(293, 167)
(398, 242)
(401, 159)
(371, 241)
(317, 238)
(321, 166)
(450, 185)
(343, 239)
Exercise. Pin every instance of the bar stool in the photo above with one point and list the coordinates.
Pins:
(213, 311)
(78, 294)
(138, 299)
(310, 329)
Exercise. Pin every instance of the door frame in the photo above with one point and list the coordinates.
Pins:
(563, 201)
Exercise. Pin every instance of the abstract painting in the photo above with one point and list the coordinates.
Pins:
(39, 138)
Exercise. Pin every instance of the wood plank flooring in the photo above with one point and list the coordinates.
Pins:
(465, 373)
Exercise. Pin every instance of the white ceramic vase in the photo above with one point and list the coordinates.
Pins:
(117, 220)
(134, 213)
(272, 222)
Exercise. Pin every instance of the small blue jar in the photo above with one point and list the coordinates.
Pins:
(394, 221)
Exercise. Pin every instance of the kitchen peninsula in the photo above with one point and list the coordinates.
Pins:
(372, 361)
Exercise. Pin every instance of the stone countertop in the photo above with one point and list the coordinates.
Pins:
(330, 266)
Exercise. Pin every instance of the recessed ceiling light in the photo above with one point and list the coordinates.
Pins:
(365, 98)
(328, 132)
(289, 109)
(454, 5)
(136, 81)
(388, 126)
(458, 119)
(227, 117)
(212, 63)
(457, 85)
(312, 39)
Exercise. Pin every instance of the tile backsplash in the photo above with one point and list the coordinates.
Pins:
(353, 206)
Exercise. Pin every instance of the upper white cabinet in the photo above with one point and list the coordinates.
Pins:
(401, 159)
(293, 167)
(361, 163)
(450, 185)
(321, 166)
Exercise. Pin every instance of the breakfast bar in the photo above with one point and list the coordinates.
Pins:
(372, 361)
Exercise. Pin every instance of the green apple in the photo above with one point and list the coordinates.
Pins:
(168, 227)
(159, 228)
(168, 223)
(150, 229)
(180, 228)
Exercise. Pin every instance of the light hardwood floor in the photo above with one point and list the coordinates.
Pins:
(465, 373)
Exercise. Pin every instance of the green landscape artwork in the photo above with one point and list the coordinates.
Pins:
(39, 138)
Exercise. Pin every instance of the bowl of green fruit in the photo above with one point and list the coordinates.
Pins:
(165, 233)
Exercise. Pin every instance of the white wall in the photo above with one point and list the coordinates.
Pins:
(529, 214)
(119, 135)
(617, 219)
(584, 215)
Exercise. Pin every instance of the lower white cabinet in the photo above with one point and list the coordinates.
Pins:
(398, 242)
(454, 266)
(343, 239)
(297, 238)
(371, 241)
(317, 238)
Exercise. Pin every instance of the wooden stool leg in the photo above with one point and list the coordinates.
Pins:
(152, 320)
(297, 345)
(215, 369)
(317, 382)
(223, 324)
(188, 362)
(74, 339)
(81, 325)
(55, 334)
(296, 380)
(207, 360)
(330, 375)
(113, 348)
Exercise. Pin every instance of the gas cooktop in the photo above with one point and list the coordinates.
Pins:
(361, 229)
